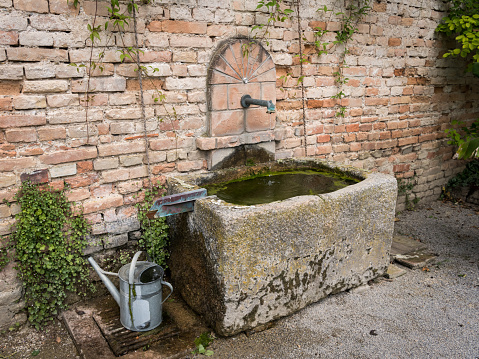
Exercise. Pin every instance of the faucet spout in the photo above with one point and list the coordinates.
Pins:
(246, 101)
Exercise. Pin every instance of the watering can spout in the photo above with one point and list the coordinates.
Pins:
(107, 282)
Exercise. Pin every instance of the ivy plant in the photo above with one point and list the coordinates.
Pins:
(49, 240)
(154, 231)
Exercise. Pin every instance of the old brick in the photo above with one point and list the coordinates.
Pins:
(184, 27)
(219, 30)
(114, 149)
(131, 160)
(6, 227)
(127, 113)
(34, 72)
(38, 176)
(105, 163)
(190, 41)
(163, 168)
(40, 6)
(11, 72)
(354, 127)
(30, 151)
(85, 166)
(394, 41)
(95, 205)
(45, 86)
(155, 56)
(51, 133)
(101, 190)
(185, 56)
(138, 172)
(121, 128)
(9, 21)
(7, 179)
(64, 71)
(64, 170)
(78, 194)
(407, 141)
(7, 165)
(314, 103)
(83, 180)
(129, 187)
(21, 135)
(109, 84)
(9, 121)
(187, 166)
(69, 155)
(206, 143)
(152, 84)
(184, 84)
(29, 102)
(376, 101)
(6, 103)
(74, 116)
(5, 212)
(8, 38)
(120, 174)
(36, 38)
(226, 123)
(323, 138)
(63, 100)
(162, 144)
(36, 54)
(63, 7)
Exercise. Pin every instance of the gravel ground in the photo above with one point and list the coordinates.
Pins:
(431, 313)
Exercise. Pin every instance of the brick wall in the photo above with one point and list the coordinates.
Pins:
(400, 97)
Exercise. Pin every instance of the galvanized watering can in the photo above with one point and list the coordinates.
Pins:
(140, 297)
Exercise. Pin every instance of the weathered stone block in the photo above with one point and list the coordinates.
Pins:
(123, 226)
(45, 86)
(21, 135)
(29, 102)
(68, 169)
(243, 266)
(116, 241)
(7, 179)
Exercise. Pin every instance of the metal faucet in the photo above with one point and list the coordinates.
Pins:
(246, 101)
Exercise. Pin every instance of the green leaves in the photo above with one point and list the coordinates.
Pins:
(348, 20)
(48, 243)
(154, 232)
(468, 148)
(465, 30)
(467, 140)
(202, 343)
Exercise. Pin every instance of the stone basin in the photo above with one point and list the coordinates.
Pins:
(243, 266)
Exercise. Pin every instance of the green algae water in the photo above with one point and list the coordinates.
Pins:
(278, 186)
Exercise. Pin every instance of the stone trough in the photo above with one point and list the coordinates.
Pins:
(244, 266)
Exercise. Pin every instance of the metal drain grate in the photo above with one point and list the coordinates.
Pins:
(122, 340)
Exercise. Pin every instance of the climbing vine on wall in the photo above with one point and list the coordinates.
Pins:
(348, 17)
(48, 241)
(117, 22)
(153, 231)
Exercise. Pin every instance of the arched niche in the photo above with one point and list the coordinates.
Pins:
(239, 67)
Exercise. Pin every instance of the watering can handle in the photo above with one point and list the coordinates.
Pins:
(171, 290)
(131, 274)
